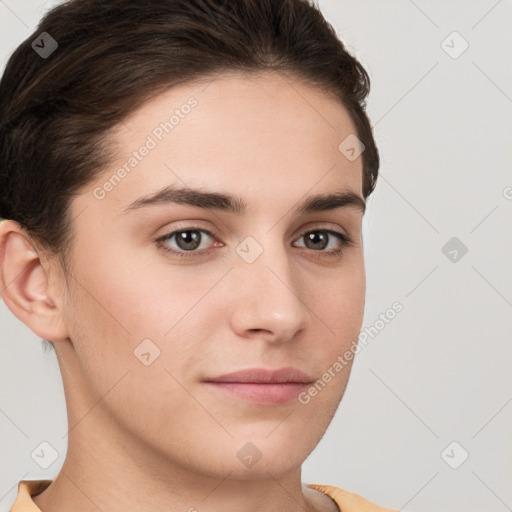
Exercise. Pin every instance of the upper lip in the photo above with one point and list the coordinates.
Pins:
(264, 376)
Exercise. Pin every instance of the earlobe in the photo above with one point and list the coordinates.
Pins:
(24, 284)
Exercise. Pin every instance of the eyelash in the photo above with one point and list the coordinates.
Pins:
(346, 241)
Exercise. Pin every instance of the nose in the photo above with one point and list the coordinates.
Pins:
(270, 301)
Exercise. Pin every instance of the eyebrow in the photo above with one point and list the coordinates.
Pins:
(236, 205)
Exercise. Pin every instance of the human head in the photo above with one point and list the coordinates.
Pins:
(55, 113)
(63, 122)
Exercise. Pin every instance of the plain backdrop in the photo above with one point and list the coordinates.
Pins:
(426, 419)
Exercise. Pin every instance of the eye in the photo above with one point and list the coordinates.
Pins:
(187, 240)
(319, 239)
(191, 242)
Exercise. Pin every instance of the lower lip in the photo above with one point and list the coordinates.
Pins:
(266, 394)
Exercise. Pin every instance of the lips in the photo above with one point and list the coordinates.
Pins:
(262, 386)
(265, 376)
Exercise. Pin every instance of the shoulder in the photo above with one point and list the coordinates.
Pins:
(349, 501)
(27, 489)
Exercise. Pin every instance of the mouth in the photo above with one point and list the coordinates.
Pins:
(262, 386)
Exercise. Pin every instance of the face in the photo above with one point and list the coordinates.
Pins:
(168, 293)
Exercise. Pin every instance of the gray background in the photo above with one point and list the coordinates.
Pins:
(439, 372)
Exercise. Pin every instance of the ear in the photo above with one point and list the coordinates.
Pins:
(25, 286)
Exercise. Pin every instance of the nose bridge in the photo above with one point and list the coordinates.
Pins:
(267, 263)
(272, 296)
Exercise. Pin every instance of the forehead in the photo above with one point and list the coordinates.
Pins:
(257, 135)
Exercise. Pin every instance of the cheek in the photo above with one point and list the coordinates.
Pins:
(125, 307)
(119, 315)
(338, 299)
(338, 303)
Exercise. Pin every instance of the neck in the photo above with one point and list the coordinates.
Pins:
(96, 476)
(105, 469)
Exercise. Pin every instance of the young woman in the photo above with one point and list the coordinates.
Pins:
(182, 184)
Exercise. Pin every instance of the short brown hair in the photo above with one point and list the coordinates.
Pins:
(113, 55)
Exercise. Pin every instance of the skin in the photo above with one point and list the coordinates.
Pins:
(145, 438)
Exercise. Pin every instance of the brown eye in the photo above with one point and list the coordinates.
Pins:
(183, 241)
(319, 239)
